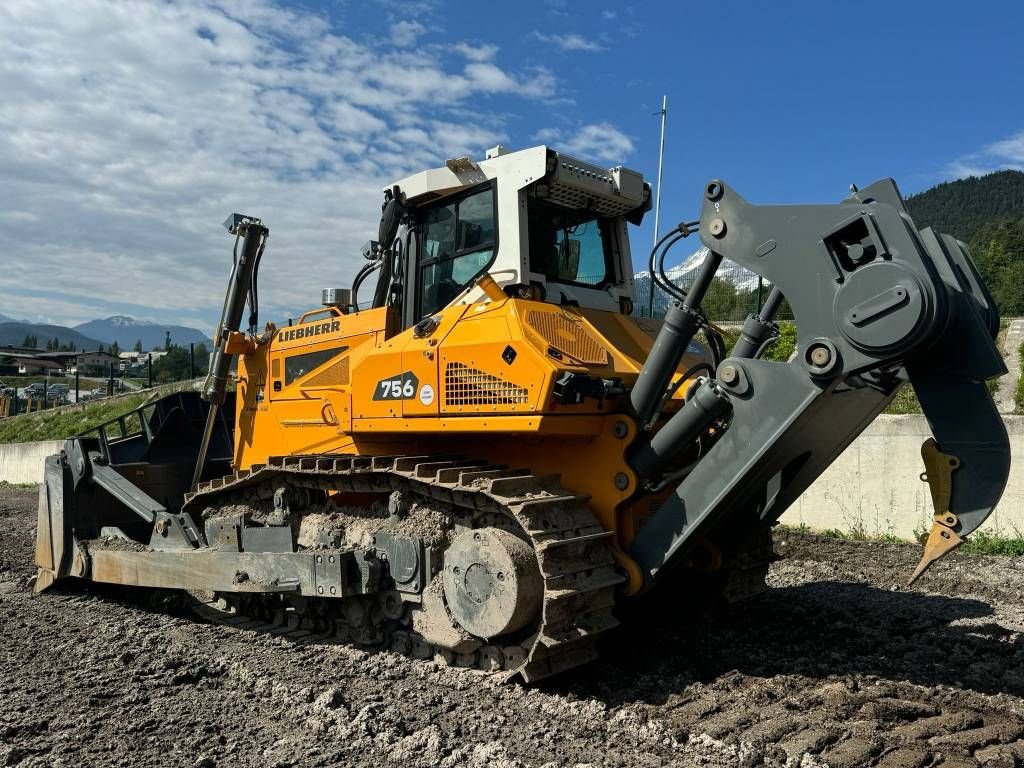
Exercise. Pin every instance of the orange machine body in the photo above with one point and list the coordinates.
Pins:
(337, 383)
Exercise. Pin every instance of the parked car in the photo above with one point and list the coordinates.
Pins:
(58, 393)
(6, 391)
(36, 391)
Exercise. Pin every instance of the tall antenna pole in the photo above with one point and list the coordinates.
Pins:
(657, 194)
(661, 160)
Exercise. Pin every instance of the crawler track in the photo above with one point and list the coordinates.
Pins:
(570, 546)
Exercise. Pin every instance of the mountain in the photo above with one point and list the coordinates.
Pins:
(963, 207)
(683, 274)
(988, 213)
(126, 331)
(14, 333)
(6, 319)
(732, 295)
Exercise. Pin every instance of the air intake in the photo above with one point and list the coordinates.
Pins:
(469, 386)
(569, 336)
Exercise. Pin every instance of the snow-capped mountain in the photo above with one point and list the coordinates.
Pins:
(127, 330)
(683, 274)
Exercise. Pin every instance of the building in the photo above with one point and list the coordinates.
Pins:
(32, 362)
(93, 363)
(36, 366)
(134, 360)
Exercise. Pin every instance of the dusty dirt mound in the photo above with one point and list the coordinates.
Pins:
(832, 667)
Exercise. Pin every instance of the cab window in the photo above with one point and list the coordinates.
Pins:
(569, 246)
(457, 244)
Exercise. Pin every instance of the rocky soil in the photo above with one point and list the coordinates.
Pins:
(834, 666)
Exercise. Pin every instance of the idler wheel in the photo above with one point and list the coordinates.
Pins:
(492, 583)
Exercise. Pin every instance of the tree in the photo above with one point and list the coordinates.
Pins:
(100, 348)
(30, 341)
(998, 250)
(720, 300)
(168, 344)
(174, 365)
(115, 350)
(138, 346)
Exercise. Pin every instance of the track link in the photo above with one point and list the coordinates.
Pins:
(570, 545)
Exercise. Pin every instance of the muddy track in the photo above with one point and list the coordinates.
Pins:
(832, 667)
(576, 567)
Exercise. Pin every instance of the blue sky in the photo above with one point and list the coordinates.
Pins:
(130, 128)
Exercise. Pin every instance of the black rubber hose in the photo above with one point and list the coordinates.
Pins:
(650, 268)
(361, 276)
(659, 276)
(656, 262)
(689, 372)
(254, 293)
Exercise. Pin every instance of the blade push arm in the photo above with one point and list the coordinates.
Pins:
(875, 303)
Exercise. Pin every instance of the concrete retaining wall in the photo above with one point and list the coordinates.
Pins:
(874, 487)
(23, 462)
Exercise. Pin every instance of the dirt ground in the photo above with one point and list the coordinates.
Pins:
(834, 666)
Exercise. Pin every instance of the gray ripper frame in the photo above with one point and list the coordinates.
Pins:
(876, 303)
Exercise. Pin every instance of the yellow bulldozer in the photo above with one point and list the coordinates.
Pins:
(481, 460)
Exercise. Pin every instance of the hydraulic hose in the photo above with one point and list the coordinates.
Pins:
(239, 286)
(759, 330)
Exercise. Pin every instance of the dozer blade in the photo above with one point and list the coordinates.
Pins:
(53, 529)
(87, 493)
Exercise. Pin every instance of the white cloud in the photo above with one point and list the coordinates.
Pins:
(1007, 153)
(130, 129)
(569, 42)
(596, 141)
(485, 52)
(405, 33)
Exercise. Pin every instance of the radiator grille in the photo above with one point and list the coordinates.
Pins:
(569, 335)
(332, 376)
(464, 385)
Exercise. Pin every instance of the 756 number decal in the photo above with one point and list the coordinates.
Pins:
(401, 387)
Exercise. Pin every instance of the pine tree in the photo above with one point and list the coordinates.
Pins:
(138, 346)
(115, 350)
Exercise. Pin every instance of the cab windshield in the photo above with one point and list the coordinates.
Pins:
(569, 246)
(457, 244)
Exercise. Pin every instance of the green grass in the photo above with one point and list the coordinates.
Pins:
(985, 543)
(905, 401)
(59, 424)
(1018, 396)
(977, 543)
(857, 534)
(5, 484)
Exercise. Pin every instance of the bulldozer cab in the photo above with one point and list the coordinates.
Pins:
(544, 225)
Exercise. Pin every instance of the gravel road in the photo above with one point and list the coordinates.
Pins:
(834, 666)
